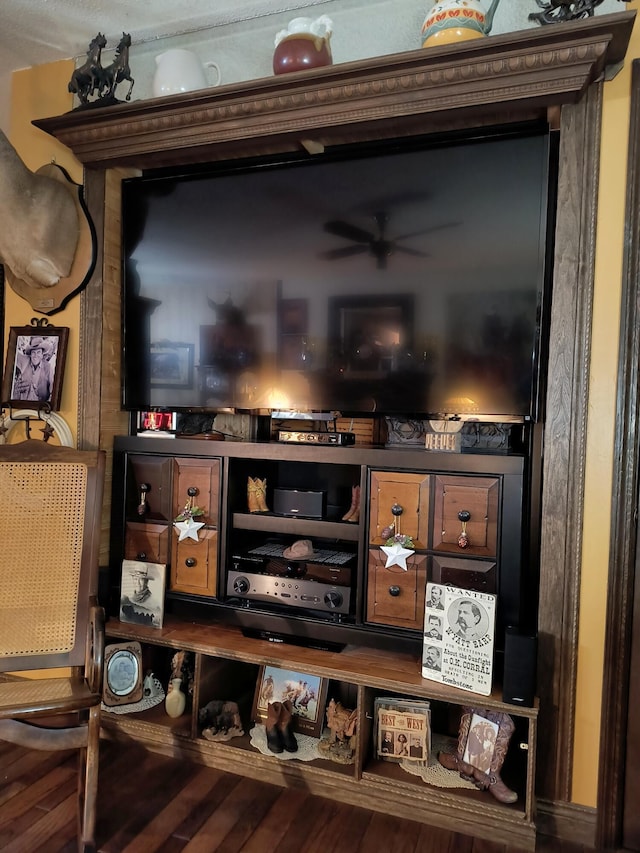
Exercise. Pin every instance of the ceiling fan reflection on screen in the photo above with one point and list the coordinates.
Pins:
(376, 243)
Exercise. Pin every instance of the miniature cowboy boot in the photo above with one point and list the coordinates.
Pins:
(355, 515)
(354, 504)
(284, 725)
(453, 760)
(252, 495)
(274, 734)
(491, 780)
(261, 494)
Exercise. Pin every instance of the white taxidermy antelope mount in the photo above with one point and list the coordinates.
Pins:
(47, 242)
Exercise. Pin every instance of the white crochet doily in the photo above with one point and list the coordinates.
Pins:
(307, 746)
(432, 771)
(143, 705)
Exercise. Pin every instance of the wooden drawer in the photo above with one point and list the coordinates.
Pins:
(147, 542)
(149, 476)
(479, 496)
(395, 596)
(411, 492)
(204, 477)
(194, 565)
(479, 575)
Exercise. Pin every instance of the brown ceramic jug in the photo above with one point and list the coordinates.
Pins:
(304, 44)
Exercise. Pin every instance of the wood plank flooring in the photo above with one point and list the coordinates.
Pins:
(149, 802)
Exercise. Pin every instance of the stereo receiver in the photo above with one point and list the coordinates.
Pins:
(339, 439)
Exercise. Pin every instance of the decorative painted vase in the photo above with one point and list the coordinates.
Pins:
(457, 20)
(179, 70)
(304, 44)
(175, 702)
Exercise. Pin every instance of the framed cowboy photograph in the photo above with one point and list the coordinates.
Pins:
(34, 368)
(307, 694)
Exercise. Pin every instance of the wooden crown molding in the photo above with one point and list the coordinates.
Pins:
(510, 77)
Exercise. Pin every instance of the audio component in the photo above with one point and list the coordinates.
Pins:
(264, 574)
(297, 502)
(294, 592)
(340, 439)
(520, 663)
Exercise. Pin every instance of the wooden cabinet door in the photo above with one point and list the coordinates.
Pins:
(395, 596)
(149, 488)
(203, 476)
(479, 575)
(194, 564)
(408, 490)
(147, 542)
(478, 496)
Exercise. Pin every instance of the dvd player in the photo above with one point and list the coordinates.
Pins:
(340, 439)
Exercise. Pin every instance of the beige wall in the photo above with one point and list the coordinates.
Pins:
(43, 91)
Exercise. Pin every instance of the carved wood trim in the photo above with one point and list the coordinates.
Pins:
(624, 522)
(565, 440)
(513, 76)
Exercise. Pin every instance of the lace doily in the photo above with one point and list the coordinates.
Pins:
(144, 704)
(307, 746)
(432, 771)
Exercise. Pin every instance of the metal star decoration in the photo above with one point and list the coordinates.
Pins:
(396, 555)
(188, 529)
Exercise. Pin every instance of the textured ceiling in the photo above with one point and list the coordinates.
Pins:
(33, 32)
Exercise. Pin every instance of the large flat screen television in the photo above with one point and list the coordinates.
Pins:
(402, 278)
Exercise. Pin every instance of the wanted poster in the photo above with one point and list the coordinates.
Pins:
(459, 627)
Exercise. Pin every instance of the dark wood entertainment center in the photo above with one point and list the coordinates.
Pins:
(555, 74)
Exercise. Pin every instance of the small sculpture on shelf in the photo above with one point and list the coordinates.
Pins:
(340, 744)
(220, 720)
(483, 740)
(556, 11)
(92, 79)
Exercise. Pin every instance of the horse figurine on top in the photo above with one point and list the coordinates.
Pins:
(91, 79)
(84, 80)
(118, 70)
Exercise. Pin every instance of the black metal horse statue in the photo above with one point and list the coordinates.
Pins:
(91, 79)
(555, 11)
(118, 70)
(84, 80)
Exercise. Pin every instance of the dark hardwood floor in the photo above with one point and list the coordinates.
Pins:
(148, 802)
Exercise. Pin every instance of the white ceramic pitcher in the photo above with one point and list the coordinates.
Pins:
(179, 70)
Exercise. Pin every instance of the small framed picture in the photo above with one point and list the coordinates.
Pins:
(171, 365)
(142, 593)
(35, 366)
(307, 694)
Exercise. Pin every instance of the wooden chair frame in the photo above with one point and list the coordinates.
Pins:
(51, 501)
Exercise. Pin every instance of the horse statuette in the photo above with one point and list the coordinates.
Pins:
(93, 80)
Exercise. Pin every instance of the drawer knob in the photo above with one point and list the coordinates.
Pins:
(192, 491)
(190, 562)
(394, 591)
(397, 510)
(143, 506)
(463, 540)
(142, 555)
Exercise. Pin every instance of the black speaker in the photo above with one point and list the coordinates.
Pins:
(520, 664)
(296, 502)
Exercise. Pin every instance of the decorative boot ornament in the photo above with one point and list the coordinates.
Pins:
(256, 494)
(483, 739)
(274, 734)
(454, 760)
(353, 513)
(284, 725)
(491, 780)
(354, 504)
(261, 494)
